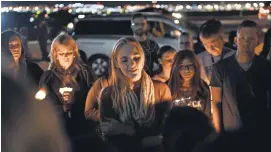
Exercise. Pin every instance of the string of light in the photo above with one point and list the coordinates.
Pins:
(100, 9)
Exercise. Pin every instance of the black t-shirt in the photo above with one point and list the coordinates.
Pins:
(150, 48)
(200, 101)
(244, 93)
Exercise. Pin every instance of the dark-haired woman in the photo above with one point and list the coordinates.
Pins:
(185, 83)
(14, 62)
(166, 56)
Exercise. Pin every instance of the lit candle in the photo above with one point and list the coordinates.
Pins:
(66, 98)
(177, 101)
(65, 89)
(41, 94)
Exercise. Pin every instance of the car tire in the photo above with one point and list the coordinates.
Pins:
(99, 64)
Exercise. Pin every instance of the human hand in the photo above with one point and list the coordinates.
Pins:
(67, 97)
(113, 127)
(92, 114)
(67, 107)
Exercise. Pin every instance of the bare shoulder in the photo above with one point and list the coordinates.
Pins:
(157, 77)
(158, 85)
(162, 92)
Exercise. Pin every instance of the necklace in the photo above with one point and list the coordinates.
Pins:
(147, 48)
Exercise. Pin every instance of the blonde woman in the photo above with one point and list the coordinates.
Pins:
(133, 107)
(67, 82)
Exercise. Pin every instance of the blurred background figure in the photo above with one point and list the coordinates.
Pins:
(83, 57)
(186, 42)
(185, 127)
(29, 125)
(43, 36)
(24, 36)
(14, 62)
(166, 56)
(198, 46)
(231, 42)
(266, 53)
(156, 30)
(259, 48)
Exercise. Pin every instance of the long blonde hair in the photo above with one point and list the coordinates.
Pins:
(125, 101)
(63, 39)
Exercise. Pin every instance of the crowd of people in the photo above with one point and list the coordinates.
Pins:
(212, 100)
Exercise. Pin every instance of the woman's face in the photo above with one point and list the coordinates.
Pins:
(15, 47)
(65, 56)
(167, 60)
(130, 62)
(187, 69)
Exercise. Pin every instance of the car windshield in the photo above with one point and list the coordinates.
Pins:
(103, 27)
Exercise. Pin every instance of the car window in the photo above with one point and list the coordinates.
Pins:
(103, 27)
(160, 29)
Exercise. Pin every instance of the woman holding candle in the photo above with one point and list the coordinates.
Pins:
(67, 82)
(185, 84)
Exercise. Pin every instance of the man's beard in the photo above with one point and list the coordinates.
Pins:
(140, 32)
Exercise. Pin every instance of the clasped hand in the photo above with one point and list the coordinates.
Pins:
(113, 127)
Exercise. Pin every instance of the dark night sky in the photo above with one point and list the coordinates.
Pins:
(107, 3)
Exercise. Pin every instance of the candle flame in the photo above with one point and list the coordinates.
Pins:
(177, 101)
(66, 89)
(40, 95)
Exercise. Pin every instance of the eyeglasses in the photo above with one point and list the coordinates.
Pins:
(189, 67)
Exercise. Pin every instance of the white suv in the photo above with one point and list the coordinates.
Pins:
(96, 35)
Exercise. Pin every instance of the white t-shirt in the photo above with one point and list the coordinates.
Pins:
(207, 61)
